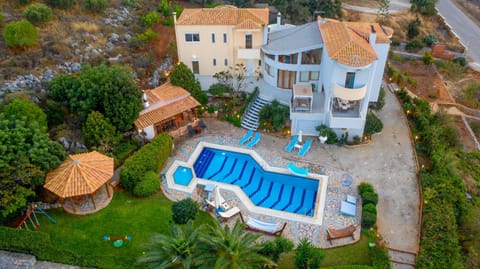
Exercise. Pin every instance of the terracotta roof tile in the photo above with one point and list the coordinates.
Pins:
(364, 28)
(80, 174)
(223, 15)
(165, 112)
(165, 101)
(346, 46)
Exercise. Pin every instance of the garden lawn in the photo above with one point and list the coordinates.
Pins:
(139, 218)
(356, 254)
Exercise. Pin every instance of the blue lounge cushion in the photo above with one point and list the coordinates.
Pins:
(297, 170)
(348, 209)
(305, 148)
(247, 137)
(254, 140)
(292, 143)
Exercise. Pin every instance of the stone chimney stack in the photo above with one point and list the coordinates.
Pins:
(174, 14)
(145, 100)
(279, 19)
(373, 36)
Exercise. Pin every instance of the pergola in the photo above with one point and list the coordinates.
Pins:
(82, 175)
(302, 98)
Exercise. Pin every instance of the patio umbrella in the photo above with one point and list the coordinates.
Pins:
(219, 200)
(300, 133)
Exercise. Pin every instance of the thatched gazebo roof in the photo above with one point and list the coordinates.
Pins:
(80, 174)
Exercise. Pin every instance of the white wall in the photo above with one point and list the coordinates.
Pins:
(382, 52)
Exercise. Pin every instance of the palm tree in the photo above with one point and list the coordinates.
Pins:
(233, 249)
(177, 250)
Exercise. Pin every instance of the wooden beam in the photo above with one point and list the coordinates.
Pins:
(108, 190)
(93, 200)
(73, 204)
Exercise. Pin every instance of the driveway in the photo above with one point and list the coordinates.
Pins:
(395, 7)
(466, 29)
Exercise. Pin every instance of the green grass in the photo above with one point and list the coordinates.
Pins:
(356, 254)
(139, 218)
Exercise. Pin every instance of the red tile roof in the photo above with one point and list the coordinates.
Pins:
(225, 15)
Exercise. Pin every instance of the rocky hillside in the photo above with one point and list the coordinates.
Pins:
(75, 36)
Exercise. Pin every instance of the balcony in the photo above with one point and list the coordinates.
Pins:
(349, 94)
(253, 53)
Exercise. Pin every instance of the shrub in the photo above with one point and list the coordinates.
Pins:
(219, 89)
(20, 34)
(307, 256)
(98, 132)
(461, 61)
(323, 130)
(412, 28)
(273, 116)
(184, 211)
(149, 185)
(64, 4)
(38, 13)
(273, 248)
(1, 16)
(370, 198)
(414, 45)
(369, 216)
(23, 2)
(131, 3)
(365, 187)
(429, 40)
(427, 58)
(150, 18)
(151, 157)
(452, 69)
(380, 258)
(380, 101)
(95, 5)
(373, 124)
(395, 43)
(182, 76)
(147, 36)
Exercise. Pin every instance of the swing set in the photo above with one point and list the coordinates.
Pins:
(30, 219)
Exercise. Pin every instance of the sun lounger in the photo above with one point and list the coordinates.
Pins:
(269, 228)
(348, 209)
(305, 148)
(352, 199)
(225, 215)
(292, 143)
(341, 233)
(297, 170)
(202, 125)
(254, 140)
(247, 137)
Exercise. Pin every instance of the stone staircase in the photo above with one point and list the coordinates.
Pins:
(250, 118)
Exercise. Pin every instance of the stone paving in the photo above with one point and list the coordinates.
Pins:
(224, 134)
(387, 162)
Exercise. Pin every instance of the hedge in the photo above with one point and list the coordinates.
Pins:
(151, 157)
(350, 267)
(36, 243)
(149, 185)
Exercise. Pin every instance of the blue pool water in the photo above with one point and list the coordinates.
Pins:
(266, 189)
(183, 175)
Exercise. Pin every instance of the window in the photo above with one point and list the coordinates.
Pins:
(195, 67)
(224, 37)
(269, 70)
(312, 56)
(226, 62)
(248, 41)
(259, 62)
(350, 80)
(192, 37)
(309, 76)
(270, 56)
(213, 38)
(286, 79)
(214, 62)
(288, 59)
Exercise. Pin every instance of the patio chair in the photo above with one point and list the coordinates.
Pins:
(348, 209)
(305, 148)
(291, 144)
(191, 131)
(246, 138)
(348, 231)
(297, 170)
(255, 140)
(268, 228)
(202, 125)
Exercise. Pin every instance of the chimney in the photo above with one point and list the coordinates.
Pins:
(145, 100)
(279, 19)
(174, 14)
(373, 36)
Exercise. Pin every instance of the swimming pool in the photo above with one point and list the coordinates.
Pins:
(266, 189)
(183, 176)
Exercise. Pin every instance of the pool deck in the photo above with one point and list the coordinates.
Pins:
(388, 163)
(297, 228)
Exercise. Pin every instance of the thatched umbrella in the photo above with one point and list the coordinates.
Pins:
(79, 175)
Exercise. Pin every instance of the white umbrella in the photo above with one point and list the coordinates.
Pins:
(218, 198)
(300, 133)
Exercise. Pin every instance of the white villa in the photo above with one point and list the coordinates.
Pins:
(327, 71)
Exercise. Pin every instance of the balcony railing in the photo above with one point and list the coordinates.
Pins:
(349, 94)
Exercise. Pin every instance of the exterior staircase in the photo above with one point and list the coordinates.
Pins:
(250, 118)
